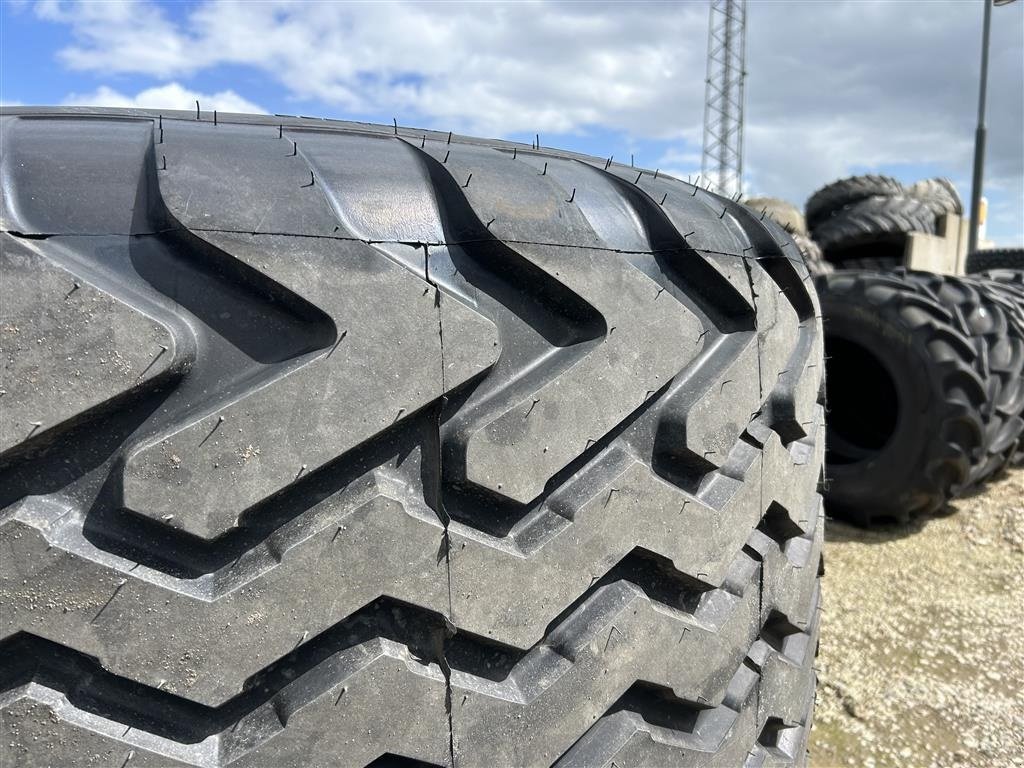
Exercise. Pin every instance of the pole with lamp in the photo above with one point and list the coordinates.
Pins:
(980, 132)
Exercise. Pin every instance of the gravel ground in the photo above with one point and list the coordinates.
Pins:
(922, 647)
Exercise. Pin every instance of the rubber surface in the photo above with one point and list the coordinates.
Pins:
(871, 222)
(339, 444)
(1006, 287)
(906, 399)
(872, 263)
(939, 194)
(995, 258)
(999, 360)
(833, 198)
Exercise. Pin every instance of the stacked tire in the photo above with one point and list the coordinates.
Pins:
(926, 371)
(863, 222)
(995, 258)
(926, 388)
(1006, 286)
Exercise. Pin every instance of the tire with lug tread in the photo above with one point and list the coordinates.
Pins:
(905, 399)
(1006, 286)
(999, 345)
(864, 228)
(939, 194)
(328, 439)
(873, 264)
(833, 198)
(995, 258)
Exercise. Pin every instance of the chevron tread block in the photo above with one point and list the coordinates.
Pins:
(369, 378)
(205, 637)
(417, 448)
(68, 347)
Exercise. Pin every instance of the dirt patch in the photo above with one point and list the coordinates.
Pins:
(922, 646)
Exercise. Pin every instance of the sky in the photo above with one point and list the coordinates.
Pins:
(834, 87)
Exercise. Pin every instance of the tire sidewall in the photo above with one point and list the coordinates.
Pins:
(892, 469)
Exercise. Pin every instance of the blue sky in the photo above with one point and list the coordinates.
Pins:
(833, 88)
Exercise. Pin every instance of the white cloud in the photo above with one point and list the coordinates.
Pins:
(833, 87)
(169, 96)
(483, 68)
(887, 85)
(136, 32)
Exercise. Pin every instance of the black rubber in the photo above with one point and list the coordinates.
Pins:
(995, 258)
(833, 198)
(876, 227)
(873, 263)
(340, 444)
(939, 194)
(905, 399)
(999, 360)
(783, 211)
(1006, 287)
(1006, 282)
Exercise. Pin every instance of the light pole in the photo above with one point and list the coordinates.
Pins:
(979, 133)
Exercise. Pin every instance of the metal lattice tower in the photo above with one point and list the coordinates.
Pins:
(722, 161)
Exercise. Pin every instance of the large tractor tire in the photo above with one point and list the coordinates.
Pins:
(1006, 287)
(1008, 283)
(833, 198)
(873, 264)
(877, 228)
(999, 361)
(332, 444)
(905, 398)
(939, 194)
(995, 258)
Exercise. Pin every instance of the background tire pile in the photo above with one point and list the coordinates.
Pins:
(862, 222)
(926, 388)
(925, 371)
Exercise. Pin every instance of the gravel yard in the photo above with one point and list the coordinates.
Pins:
(922, 646)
